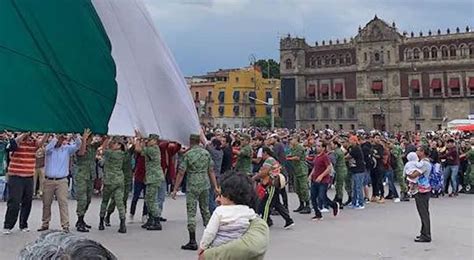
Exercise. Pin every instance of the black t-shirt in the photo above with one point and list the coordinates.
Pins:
(226, 159)
(356, 163)
(367, 153)
(378, 155)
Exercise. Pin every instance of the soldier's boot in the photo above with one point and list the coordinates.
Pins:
(107, 220)
(306, 209)
(148, 223)
(192, 245)
(101, 223)
(349, 201)
(300, 208)
(123, 228)
(155, 224)
(80, 225)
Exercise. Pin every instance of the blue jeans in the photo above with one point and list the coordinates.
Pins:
(452, 171)
(319, 193)
(160, 197)
(138, 187)
(358, 188)
(212, 200)
(391, 183)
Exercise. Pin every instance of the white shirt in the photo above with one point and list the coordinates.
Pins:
(228, 222)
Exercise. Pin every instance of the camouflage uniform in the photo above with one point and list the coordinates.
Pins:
(469, 175)
(153, 178)
(113, 181)
(244, 160)
(398, 153)
(197, 163)
(341, 173)
(84, 178)
(300, 171)
(128, 175)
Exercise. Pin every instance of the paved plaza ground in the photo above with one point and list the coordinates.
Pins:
(378, 232)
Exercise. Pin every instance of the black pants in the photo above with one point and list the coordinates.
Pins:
(376, 176)
(20, 196)
(284, 197)
(272, 200)
(138, 187)
(422, 205)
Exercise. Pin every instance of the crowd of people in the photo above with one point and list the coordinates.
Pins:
(234, 175)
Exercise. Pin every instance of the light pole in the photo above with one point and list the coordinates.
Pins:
(253, 61)
(413, 67)
(271, 104)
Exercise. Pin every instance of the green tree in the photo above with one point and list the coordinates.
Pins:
(266, 122)
(269, 66)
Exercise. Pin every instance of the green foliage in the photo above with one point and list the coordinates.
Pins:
(274, 68)
(266, 122)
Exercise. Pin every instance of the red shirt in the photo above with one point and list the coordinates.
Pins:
(321, 163)
(139, 168)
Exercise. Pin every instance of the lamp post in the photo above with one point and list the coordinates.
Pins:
(413, 67)
(271, 104)
(253, 61)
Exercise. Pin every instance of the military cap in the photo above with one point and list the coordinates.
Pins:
(245, 136)
(154, 137)
(195, 137)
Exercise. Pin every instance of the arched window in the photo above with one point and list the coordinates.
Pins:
(341, 59)
(408, 54)
(444, 52)
(318, 61)
(348, 59)
(426, 53)
(333, 59)
(326, 60)
(434, 52)
(377, 56)
(416, 54)
(464, 50)
(288, 64)
(312, 62)
(452, 51)
(471, 50)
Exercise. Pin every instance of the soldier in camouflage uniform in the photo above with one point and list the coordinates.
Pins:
(398, 153)
(244, 156)
(469, 174)
(198, 166)
(153, 177)
(113, 181)
(128, 175)
(341, 171)
(85, 161)
(297, 158)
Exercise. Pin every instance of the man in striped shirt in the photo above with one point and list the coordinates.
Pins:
(20, 181)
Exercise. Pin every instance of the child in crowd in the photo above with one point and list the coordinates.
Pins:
(413, 165)
(232, 218)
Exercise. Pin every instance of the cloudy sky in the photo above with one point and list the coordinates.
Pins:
(205, 35)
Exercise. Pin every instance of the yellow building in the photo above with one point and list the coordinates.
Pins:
(233, 88)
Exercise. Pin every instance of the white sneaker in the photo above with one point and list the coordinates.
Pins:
(180, 193)
(144, 219)
(396, 200)
(7, 231)
(130, 218)
(360, 207)
(324, 210)
(25, 230)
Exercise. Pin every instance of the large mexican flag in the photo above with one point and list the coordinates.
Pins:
(66, 65)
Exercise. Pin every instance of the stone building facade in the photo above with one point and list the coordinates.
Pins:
(379, 79)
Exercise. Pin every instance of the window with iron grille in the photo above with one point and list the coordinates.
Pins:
(339, 112)
(236, 110)
(437, 111)
(221, 97)
(326, 112)
(312, 112)
(351, 112)
(416, 111)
